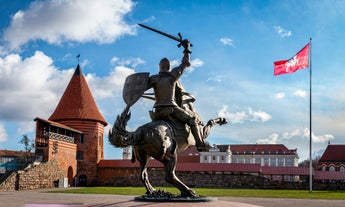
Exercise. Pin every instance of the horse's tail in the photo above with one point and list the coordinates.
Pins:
(118, 135)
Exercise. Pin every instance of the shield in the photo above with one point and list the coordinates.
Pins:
(134, 88)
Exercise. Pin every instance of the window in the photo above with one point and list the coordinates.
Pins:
(80, 155)
(280, 161)
(342, 168)
(331, 168)
(81, 138)
(289, 162)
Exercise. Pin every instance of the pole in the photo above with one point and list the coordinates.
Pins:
(310, 125)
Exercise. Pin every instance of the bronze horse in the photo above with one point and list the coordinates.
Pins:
(161, 140)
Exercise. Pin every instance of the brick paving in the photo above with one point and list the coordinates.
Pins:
(42, 199)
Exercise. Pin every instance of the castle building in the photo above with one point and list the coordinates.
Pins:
(264, 154)
(333, 159)
(73, 134)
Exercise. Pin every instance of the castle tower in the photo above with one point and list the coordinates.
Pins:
(77, 109)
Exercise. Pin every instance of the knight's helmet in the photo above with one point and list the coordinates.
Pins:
(164, 65)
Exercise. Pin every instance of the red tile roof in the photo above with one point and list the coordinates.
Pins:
(11, 153)
(270, 170)
(329, 175)
(219, 167)
(77, 102)
(261, 149)
(125, 164)
(190, 151)
(189, 159)
(53, 123)
(333, 153)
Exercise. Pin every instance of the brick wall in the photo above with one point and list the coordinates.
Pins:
(91, 147)
(65, 154)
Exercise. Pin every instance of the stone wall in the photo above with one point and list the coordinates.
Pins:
(43, 175)
(10, 184)
(130, 177)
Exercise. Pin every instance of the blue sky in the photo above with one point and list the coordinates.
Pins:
(234, 46)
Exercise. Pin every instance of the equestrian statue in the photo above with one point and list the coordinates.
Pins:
(175, 124)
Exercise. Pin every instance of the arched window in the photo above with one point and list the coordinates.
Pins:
(331, 168)
(342, 168)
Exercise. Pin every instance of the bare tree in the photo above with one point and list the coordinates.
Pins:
(28, 147)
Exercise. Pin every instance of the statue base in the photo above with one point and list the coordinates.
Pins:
(162, 196)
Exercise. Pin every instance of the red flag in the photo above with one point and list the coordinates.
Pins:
(299, 61)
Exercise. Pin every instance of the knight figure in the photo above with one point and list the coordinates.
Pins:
(169, 93)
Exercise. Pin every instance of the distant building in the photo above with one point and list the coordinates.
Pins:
(10, 160)
(264, 154)
(333, 159)
(127, 153)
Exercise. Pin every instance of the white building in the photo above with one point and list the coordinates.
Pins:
(264, 154)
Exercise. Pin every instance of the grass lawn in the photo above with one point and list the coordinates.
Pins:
(216, 192)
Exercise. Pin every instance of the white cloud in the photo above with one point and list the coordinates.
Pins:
(318, 139)
(216, 78)
(244, 116)
(258, 116)
(3, 133)
(272, 139)
(149, 19)
(282, 32)
(227, 41)
(300, 93)
(195, 63)
(293, 133)
(56, 21)
(29, 87)
(132, 62)
(108, 86)
(33, 86)
(280, 95)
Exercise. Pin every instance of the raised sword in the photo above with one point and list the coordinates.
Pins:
(182, 42)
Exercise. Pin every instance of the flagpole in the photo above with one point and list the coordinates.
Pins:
(310, 125)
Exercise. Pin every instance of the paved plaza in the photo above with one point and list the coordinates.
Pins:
(43, 199)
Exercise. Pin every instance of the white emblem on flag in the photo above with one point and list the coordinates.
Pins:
(291, 63)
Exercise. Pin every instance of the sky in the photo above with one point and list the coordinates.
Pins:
(235, 44)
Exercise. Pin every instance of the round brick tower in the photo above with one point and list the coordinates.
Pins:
(77, 109)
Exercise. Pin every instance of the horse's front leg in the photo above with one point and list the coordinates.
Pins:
(207, 128)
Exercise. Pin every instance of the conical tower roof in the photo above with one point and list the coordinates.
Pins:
(77, 102)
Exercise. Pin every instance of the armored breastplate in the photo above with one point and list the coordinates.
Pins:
(164, 91)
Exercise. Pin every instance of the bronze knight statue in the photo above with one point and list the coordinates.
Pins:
(164, 85)
(174, 127)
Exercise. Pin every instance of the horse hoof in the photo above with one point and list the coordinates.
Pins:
(150, 192)
(189, 193)
(223, 121)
